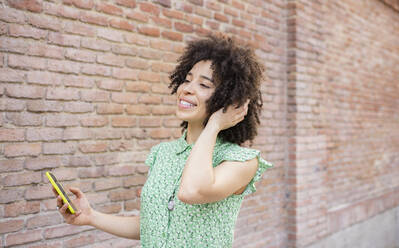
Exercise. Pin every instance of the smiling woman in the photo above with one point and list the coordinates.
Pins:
(196, 184)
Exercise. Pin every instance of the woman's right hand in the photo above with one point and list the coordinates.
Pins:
(84, 212)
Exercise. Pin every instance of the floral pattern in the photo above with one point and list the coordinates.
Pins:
(198, 225)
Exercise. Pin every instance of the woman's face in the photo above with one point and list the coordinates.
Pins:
(194, 92)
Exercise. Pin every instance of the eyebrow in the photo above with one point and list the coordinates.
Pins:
(202, 76)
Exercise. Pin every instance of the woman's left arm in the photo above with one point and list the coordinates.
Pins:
(201, 182)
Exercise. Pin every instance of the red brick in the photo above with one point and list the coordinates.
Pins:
(121, 24)
(128, 98)
(106, 159)
(11, 226)
(44, 162)
(221, 18)
(126, 3)
(138, 86)
(23, 237)
(77, 81)
(44, 134)
(44, 220)
(109, 34)
(79, 161)
(150, 99)
(122, 195)
(132, 205)
(137, 16)
(9, 75)
(62, 94)
(123, 170)
(123, 121)
(10, 165)
(58, 148)
(194, 20)
(149, 8)
(162, 22)
(182, 27)
(150, 54)
(43, 22)
(109, 9)
(93, 148)
(64, 39)
(187, 8)
(150, 122)
(110, 208)
(46, 51)
(160, 133)
(150, 31)
(17, 150)
(94, 96)
(83, 4)
(96, 44)
(25, 62)
(61, 120)
(80, 29)
(214, 6)
(164, 3)
(12, 15)
(79, 55)
(23, 178)
(78, 107)
(64, 230)
(76, 133)
(137, 63)
(161, 45)
(134, 180)
(10, 195)
(94, 18)
(31, 5)
(110, 59)
(80, 241)
(230, 11)
(138, 109)
(112, 134)
(111, 108)
(63, 66)
(12, 135)
(163, 110)
(149, 76)
(19, 91)
(162, 67)
(106, 184)
(124, 74)
(172, 35)
(124, 50)
(91, 172)
(97, 70)
(173, 14)
(21, 208)
(60, 10)
(94, 121)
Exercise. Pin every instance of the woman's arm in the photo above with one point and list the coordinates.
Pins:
(122, 226)
(126, 227)
(201, 183)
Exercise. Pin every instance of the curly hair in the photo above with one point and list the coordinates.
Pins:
(237, 75)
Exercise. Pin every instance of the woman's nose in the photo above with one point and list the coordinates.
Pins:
(188, 87)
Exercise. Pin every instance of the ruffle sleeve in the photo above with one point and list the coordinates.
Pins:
(151, 157)
(243, 154)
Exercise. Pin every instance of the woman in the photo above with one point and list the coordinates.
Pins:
(196, 183)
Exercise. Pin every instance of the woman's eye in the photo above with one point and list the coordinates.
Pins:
(205, 86)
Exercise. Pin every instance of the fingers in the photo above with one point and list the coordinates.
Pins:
(76, 192)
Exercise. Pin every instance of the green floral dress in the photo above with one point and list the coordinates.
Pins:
(198, 225)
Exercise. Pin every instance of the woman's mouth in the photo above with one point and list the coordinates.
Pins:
(186, 105)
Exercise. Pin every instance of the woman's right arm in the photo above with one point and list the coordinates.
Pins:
(122, 226)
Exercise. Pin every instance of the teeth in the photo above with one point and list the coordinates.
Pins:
(186, 103)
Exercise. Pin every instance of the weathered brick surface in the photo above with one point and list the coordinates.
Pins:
(83, 92)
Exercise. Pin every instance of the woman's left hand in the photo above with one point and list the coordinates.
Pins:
(229, 119)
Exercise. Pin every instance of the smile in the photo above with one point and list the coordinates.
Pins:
(185, 105)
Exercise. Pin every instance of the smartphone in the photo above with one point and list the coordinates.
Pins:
(60, 190)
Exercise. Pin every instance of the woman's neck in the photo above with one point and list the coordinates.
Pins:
(193, 132)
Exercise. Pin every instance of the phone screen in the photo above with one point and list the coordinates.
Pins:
(63, 194)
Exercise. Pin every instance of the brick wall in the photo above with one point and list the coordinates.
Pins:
(343, 115)
(83, 92)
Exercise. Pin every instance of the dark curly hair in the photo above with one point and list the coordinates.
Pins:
(237, 76)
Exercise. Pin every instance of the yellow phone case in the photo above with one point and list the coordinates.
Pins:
(60, 190)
